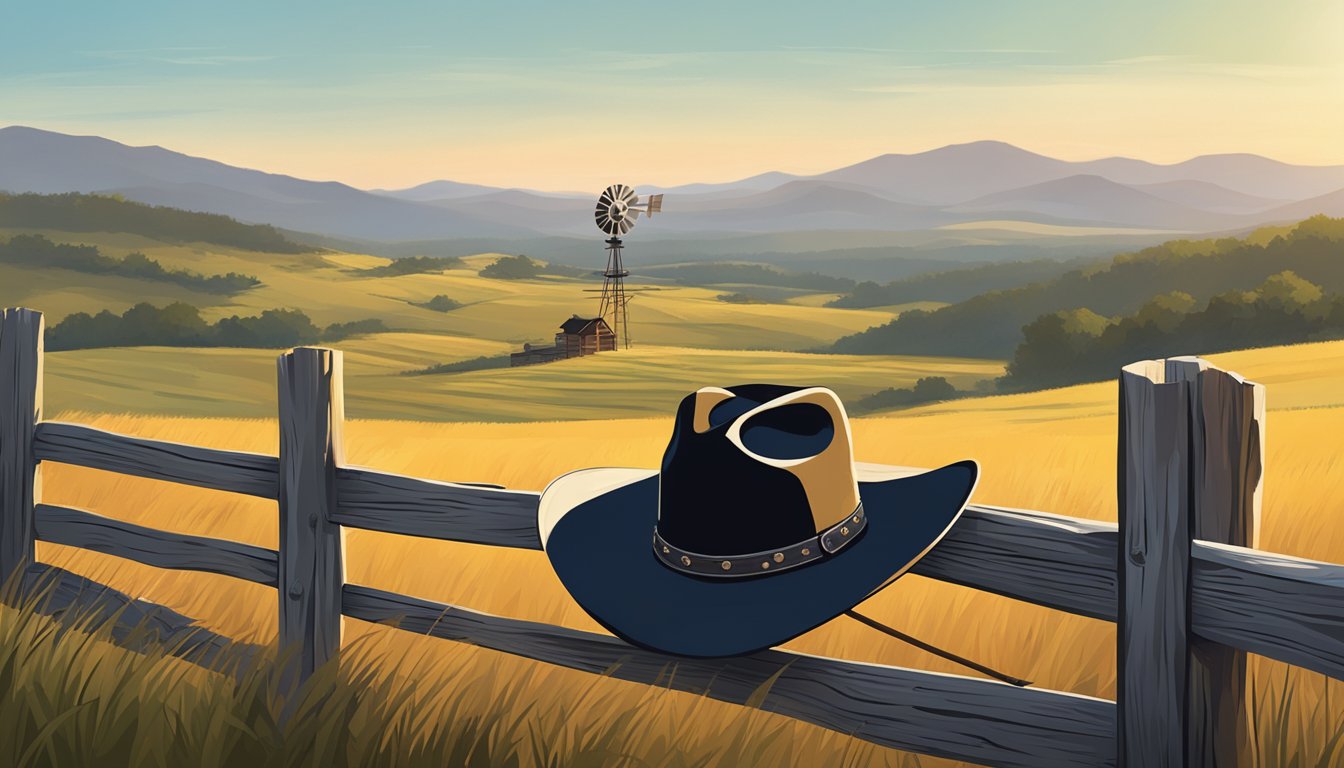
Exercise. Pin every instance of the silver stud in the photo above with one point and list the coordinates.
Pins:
(779, 557)
(725, 565)
(666, 550)
(685, 560)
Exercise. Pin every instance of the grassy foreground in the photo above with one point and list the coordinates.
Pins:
(1052, 450)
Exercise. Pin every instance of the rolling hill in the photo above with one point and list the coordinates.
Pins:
(957, 184)
(32, 160)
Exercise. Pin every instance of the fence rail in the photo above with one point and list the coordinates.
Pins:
(1188, 606)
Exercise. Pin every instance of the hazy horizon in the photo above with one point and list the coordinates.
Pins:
(557, 98)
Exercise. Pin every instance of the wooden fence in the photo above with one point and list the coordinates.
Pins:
(1179, 574)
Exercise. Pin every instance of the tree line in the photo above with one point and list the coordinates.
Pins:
(1077, 345)
(76, 212)
(954, 284)
(718, 273)
(181, 325)
(990, 324)
(38, 251)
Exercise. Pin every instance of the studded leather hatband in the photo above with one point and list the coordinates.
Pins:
(828, 542)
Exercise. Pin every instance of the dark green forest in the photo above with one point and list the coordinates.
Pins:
(990, 325)
(181, 325)
(956, 284)
(75, 212)
(1076, 345)
(711, 273)
(38, 251)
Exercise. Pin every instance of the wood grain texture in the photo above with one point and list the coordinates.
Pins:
(1152, 639)
(253, 474)
(1059, 562)
(1226, 444)
(391, 503)
(312, 566)
(137, 625)
(1278, 606)
(20, 410)
(161, 549)
(945, 715)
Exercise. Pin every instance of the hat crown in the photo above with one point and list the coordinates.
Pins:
(755, 467)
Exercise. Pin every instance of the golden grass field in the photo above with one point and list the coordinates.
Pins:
(1051, 450)
(641, 381)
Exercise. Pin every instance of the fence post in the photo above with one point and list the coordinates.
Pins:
(1227, 442)
(20, 410)
(1152, 640)
(312, 569)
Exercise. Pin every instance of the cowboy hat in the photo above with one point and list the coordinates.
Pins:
(758, 527)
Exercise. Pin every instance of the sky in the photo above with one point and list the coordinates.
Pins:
(574, 95)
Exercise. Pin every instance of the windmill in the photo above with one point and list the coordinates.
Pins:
(617, 208)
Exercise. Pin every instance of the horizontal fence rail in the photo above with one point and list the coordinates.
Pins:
(251, 474)
(1282, 607)
(161, 549)
(1179, 574)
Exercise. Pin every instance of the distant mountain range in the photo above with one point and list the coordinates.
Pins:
(956, 184)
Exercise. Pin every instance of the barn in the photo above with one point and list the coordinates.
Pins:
(578, 336)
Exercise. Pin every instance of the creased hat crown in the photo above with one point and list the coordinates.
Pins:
(755, 467)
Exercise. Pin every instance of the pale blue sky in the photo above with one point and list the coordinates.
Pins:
(566, 95)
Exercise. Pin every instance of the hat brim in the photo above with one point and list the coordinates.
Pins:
(597, 529)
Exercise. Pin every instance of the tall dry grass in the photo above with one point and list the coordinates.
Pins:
(1053, 451)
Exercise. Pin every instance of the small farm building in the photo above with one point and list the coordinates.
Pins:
(578, 336)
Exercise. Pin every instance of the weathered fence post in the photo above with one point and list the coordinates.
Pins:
(20, 410)
(312, 569)
(1152, 638)
(1189, 467)
(1227, 442)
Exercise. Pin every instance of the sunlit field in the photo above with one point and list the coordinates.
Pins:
(643, 381)
(1052, 451)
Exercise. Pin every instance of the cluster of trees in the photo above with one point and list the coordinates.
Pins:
(930, 389)
(75, 212)
(415, 265)
(740, 298)
(181, 325)
(38, 251)
(440, 303)
(1076, 345)
(521, 267)
(718, 273)
(953, 284)
(989, 325)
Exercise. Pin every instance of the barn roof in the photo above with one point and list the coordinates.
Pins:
(583, 326)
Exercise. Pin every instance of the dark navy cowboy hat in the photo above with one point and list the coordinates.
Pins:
(759, 526)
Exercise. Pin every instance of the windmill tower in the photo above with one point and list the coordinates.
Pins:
(617, 209)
